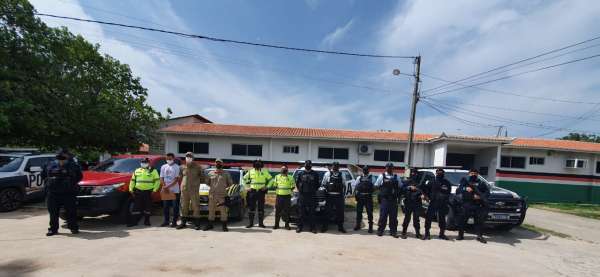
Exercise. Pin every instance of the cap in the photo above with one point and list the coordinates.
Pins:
(389, 165)
(308, 162)
(189, 154)
(218, 161)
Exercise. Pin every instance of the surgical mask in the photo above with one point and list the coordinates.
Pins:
(144, 165)
(284, 172)
(219, 166)
(170, 162)
(189, 160)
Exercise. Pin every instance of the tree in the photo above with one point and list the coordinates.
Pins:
(57, 90)
(581, 137)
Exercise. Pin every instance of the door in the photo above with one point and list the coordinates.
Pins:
(34, 179)
(465, 161)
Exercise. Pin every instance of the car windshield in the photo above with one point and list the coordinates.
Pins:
(126, 165)
(455, 177)
(235, 174)
(320, 172)
(10, 163)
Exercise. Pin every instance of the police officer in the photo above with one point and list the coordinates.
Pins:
(363, 193)
(144, 181)
(474, 194)
(437, 192)
(62, 176)
(334, 185)
(257, 178)
(307, 184)
(284, 185)
(388, 184)
(218, 181)
(412, 203)
(192, 174)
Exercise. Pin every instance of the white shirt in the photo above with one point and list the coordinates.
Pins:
(379, 181)
(169, 173)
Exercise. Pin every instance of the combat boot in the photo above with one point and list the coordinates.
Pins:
(341, 228)
(481, 239)
(418, 234)
(224, 223)
(147, 220)
(250, 220)
(427, 236)
(197, 223)
(370, 227)
(261, 218)
(276, 225)
(357, 226)
(324, 228)
(183, 224)
(442, 236)
(461, 235)
(287, 225)
(403, 233)
(208, 226)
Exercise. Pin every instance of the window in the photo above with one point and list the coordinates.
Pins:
(536, 160)
(41, 162)
(388, 156)
(512, 162)
(575, 163)
(291, 149)
(333, 153)
(246, 150)
(598, 167)
(194, 147)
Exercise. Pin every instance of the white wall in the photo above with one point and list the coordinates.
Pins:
(554, 161)
(487, 157)
(439, 154)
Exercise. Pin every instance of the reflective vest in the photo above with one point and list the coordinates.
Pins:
(145, 179)
(284, 184)
(257, 179)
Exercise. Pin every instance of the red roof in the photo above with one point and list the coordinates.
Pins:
(555, 144)
(290, 132)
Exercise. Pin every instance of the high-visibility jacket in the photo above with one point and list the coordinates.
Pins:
(257, 179)
(283, 184)
(145, 179)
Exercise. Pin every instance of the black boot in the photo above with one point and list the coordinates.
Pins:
(287, 225)
(418, 234)
(261, 217)
(380, 232)
(224, 223)
(357, 226)
(370, 227)
(341, 228)
(197, 223)
(132, 220)
(481, 239)
(299, 229)
(147, 220)
(324, 228)
(250, 220)
(51, 233)
(276, 226)
(208, 226)
(427, 236)
(403, 233)
(183, 224)
(313, 229)
(442, 236)
(461, 235)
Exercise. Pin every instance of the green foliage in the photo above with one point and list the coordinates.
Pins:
(57, 90)
(581, 137)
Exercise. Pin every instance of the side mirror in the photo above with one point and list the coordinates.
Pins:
(35, 169)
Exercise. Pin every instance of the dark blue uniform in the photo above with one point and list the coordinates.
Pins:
(438, 191)
(471, 207)
(389, 191)
(307, 184)
(62, 188)
(412, 206)
(364, 199)
(335, 199)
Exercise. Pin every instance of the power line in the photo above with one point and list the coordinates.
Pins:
(503, 92)
(228, 40)
(517, 62)
(515, 75)
(468, 122)
(583, 117)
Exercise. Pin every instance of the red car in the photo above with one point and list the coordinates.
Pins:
(105, 188)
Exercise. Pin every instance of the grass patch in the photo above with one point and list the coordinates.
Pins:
(540, 230)
(583, 210)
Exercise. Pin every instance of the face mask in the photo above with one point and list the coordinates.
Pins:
(284, 172)
(170, 162)
(189, 160)
(144, 165)
(308, 167)
(473, 179)
(219, 166)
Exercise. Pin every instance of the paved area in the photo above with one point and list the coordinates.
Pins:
(577, 227)
(105, 249)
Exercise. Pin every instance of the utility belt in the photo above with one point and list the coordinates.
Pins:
(334, 193)
(257, 186)
(283, 191)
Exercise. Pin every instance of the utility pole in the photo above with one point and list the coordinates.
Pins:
(413, 111)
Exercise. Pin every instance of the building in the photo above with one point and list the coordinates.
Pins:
(158, 146)
(541, 169)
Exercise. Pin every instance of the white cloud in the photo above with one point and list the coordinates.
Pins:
(337, 35)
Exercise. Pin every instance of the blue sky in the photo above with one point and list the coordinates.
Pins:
(249, 85)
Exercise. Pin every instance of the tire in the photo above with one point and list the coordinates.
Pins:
(10, 199)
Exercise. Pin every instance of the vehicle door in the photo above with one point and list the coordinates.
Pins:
(34, 178)
(347, 177)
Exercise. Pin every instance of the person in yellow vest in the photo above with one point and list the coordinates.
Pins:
(257, 178)
(284, 184)
(144, 181)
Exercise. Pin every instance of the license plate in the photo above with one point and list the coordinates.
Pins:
(501, 217)
(204, 208)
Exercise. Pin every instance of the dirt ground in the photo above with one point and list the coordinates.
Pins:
(105, 249)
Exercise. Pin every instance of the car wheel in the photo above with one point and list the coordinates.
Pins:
(10, 199)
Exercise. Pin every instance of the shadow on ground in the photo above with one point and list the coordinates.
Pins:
(20, 267)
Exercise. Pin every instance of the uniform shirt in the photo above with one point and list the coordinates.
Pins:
(357, 181)
(257, 179)
(62, 179)
(307, 181)
(283, 184)
(144, 179)
(333, 187)
(393, 192)
(169, 173)
(192, 174)
(379, 181)
(219, 181)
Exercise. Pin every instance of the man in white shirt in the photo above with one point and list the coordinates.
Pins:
(169, 180)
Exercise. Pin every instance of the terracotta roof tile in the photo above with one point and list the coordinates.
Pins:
(556, 144)
(287, 132)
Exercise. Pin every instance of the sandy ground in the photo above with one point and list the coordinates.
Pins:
(575, 226)
(105, 249)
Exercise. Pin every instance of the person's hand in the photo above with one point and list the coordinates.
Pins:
(469, 189)
(476, 197)
(413, 188)
(423, 197)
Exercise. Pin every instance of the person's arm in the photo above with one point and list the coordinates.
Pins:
(379, 181)
(78, 174)
(325, 178)
(176, 179)
(156, 180)
(272, 183)
(132, 182)
(228, 180)
(296, 180)
(247, 177)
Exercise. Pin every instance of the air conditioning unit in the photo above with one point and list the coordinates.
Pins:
(365, 149)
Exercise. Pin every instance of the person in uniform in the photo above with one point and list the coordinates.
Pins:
(388, 184)
(438, 193)
(284, 185)
(257, 178)
(474, 194)
(363, 193)
(334, 185)
(144, 181)
(412, 203)
(307, 184)
(218, 181)
(62, 177)
(192, 175)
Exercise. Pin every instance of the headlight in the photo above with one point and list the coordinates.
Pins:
(106, 189)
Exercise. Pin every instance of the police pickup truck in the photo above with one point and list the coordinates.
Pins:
(20, 178)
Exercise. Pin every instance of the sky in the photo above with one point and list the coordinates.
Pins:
(238, 84)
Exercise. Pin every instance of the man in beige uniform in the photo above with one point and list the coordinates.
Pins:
(218, 181)
(192, 174)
